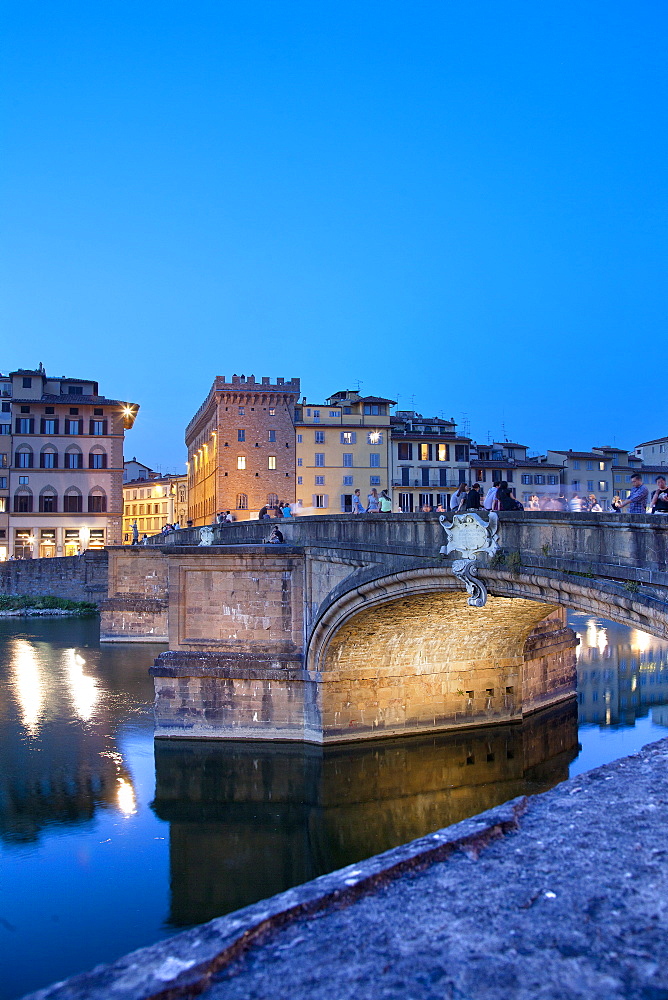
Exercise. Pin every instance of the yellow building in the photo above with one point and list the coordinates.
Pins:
(153, 503)
(341, 445)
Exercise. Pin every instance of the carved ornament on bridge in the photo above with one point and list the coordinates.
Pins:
(206, 536)
(471, 536)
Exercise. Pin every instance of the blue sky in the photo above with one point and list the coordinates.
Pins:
(460, 203)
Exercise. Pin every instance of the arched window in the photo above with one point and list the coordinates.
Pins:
(73, 458)
(97, 459)
(48, 500)
(48, 458)
(72, 501)
(23, 501)
(97, 501)
(272, 499)
(23, 458)
(242, 501)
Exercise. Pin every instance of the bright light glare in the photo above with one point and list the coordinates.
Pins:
(125, 797)
(83, 690)
(640, 641)
(28, 684)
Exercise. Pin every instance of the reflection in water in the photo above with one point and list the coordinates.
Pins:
(247, 821)
(59, 760)
(27, 684)
(622, 673)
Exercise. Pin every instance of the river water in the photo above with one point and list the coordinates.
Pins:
(107, 844)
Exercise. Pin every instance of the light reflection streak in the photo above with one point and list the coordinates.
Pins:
(84, 690)
(125, 797)
(28, 684)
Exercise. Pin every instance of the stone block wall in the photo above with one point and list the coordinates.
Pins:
(135, 609)
(75, 578)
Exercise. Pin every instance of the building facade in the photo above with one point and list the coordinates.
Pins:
(63, 464)
(241, 448)
(153, 503)
(528, 477)
(341, 445)
(653, 452)
(429, 461)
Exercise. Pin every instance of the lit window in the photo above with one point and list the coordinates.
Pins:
(443, 452)
(348, 437)
(241, 461)
(602, 485)
(425, 452)
(272, 461)
(374, 437)
(272, 411)
(601, 465)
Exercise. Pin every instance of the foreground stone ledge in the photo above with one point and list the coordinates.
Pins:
(612, 945)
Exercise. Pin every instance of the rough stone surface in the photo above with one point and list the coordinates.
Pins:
(75, 578)
(559, 896)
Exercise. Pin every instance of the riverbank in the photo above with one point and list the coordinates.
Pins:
(42, 605)
(561, 894)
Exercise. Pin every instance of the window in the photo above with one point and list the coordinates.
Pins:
(3, 482)
(242, 501)
(319, 500)
(299, 462)
(49, 426)
(527, 480)
(590, 466)
(73, 426)
(319, 459)
(575, 483)
(97, 503)
(316, 414)
(241, 461)
(348, 437)
(374, 437)
(299, 439)
(74, 410)
(319, 437)
(6, 407)
(406, 502)
(590, 485)
(97, 460)
(300, 480)
(272, 435)
(374, 480)
(461, 453)
(374, 410)
(539, 480)
(48, 460)
(347, 460)
(98, 413)
(272, 461)
(601, 465)
(333, 413)
(23, 460)
(242, 412)
(576, 464)
(98, 427)
(443, 452)
(25, 425)
(25, 409)
(48, 503)
(27, 383)
(426, 500)
(72, 503)
(5, 428)
(75, 390)
(602, 485)
(23, 503)
(241, 434)
(425, 452)
(405, 451)
(347, 480)
(480, 475)
(272, 411)
(552, 480)
(298, 413)
(73, 460)
(3, 510)
(23, 480)
(443, 477)
(509, 475)
(3, 460)
(319, 480)
(374, 460)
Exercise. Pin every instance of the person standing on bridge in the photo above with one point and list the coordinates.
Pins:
(637, 501)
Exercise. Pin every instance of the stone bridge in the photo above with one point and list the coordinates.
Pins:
(357, 627)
